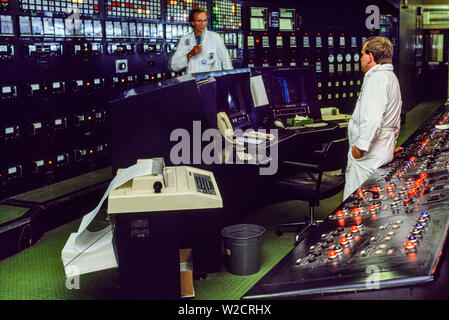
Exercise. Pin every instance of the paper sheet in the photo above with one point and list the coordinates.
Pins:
(86, 242)
(258, 91)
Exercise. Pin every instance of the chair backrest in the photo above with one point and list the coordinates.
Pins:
(335, 155)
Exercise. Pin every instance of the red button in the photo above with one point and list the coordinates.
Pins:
(423, 175)
(409, 245)
(412, 193)
(344, 241)
(354, 229)
(332, 255)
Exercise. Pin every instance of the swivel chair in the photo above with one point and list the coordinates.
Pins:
(312, 182)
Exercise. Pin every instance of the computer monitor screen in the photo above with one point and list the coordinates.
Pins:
(233, 97)
(233, 100)
(286, 91)
(290, 90)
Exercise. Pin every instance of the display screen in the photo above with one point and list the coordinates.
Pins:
(6, 25)
(288, 88)
(286, 25)
(257, 24)
(285, 90)
(233, 102)
(258, 12)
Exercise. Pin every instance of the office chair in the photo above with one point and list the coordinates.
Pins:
(313, 182)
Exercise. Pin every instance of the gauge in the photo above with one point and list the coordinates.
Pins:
(331, 58)
(339, 57)
(348, 57)
(356, 57)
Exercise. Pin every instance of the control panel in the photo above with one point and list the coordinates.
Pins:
(396, 223)
(63, 61)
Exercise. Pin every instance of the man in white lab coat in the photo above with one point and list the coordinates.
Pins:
(200, 50)
(375, 122)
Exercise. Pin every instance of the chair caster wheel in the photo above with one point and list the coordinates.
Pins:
(279, 233)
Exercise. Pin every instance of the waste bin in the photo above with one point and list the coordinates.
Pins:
(243, 248)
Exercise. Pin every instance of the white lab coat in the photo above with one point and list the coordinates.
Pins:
(374, 125)
(214, 57)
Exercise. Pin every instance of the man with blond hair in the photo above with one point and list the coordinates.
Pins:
(201, 50)
(375, 122)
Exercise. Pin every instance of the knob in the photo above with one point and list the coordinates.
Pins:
(344, 242)
(372, 211)
(340, 217)
(332, 255)
(410, 246)
(157, 186)
(356, 215)
(354, 229)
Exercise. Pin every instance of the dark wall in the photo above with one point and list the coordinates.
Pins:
(410, 77)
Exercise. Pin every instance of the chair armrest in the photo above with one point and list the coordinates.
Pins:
(302, 165)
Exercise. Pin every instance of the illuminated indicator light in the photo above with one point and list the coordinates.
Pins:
(89, 118)
(344, 241)
(332, 255)
(412, 192)
(91, 151)
(410, 245)
(50, 162)
(341, 218)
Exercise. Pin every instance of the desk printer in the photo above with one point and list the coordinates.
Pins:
(153, 216)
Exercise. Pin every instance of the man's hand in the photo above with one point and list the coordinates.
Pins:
(397, 152)
(357, 153)
(196, 50)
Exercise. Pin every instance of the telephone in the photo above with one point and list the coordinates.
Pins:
(224, 125)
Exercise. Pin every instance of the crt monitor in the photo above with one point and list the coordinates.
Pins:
(234, 98)
(144, 118)
(290, 91)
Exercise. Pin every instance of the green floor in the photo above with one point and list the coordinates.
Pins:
(37, 272)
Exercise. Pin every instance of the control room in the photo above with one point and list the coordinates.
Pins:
(224, 150)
